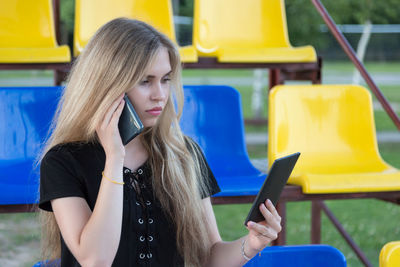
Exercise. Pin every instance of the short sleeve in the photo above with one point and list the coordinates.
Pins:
(58, 177)
(213, 187)
(211, 182)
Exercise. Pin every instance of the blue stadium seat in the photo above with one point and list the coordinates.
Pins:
(212, 116)
(302, 256)
(25, 115)
(282, 256)
(48, 263)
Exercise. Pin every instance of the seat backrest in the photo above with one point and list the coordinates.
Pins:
(25, 115)
(390, 255)
(239, 23)
(48, 263)
(212, 116)
(26, 23)
(90, 15)
(304, 255)
(331, 125)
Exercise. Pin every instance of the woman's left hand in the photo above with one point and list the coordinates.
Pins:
(262, 233)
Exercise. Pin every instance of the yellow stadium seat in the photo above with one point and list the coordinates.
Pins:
(245, 31)
(333, 128)
(28, 33)
(390, 255)
(92, 14)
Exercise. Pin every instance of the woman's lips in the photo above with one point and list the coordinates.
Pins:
(154, 111)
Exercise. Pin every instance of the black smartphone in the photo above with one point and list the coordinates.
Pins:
(129, 124)
(273, 185)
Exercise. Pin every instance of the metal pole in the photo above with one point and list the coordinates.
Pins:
(345, 235)
(316, 222)
(352, 55)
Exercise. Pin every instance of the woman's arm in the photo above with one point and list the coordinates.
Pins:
(260, 235)
(93, 238)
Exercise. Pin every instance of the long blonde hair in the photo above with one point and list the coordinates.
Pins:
(115, 60)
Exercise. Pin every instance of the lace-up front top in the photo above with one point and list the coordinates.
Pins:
(147, 235)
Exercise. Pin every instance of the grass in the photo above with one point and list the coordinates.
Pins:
(19, 235)
(12, 74)
(361, 218)
(217, 73)
(391, 92)
(344, 66)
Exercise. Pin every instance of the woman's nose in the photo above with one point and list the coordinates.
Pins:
(159, 92)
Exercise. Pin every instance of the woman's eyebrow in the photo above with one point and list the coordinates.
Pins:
(150, 76)
(168, 73)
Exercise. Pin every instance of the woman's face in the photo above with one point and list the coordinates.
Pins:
(151, 94)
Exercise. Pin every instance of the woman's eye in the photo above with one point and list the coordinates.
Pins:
(165, 80)
(144, 82)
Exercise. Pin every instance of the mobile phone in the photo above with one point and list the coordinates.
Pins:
(273, 185)
(129, 123)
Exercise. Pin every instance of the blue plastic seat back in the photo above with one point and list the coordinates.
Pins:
(48, 263)
(25, 115)
(303, 256)
(282, 256)
(212, 116)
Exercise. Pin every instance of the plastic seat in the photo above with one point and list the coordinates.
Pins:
(305, 255)
(28, 33)
(283, 256)
(333, 128)
(48, 263)
(92, 14)
(212, 116)
(240, 31)
(25, 114)
(390, 255)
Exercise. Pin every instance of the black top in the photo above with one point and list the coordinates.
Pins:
(147, 235)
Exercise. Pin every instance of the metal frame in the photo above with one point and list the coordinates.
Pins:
(319, 205)
(294, 193)
(353, 57)
(60, 69)
(279, 72)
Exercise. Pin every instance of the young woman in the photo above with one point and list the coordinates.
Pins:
(146, 203)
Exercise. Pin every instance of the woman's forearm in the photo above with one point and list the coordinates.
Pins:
(100, 237)
(230, 253)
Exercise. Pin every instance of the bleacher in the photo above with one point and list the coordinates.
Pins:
(336, 163)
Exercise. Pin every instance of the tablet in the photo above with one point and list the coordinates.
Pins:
(273, 185)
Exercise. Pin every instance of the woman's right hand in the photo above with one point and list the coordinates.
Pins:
(108, 131)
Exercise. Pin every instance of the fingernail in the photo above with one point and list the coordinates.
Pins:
(250, 223)
(269, 201)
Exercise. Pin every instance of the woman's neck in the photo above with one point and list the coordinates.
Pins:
(135, 153)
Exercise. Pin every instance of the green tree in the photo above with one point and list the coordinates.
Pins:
(67, 10)
(303, 23)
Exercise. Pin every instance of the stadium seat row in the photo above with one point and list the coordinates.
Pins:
(229, 30)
